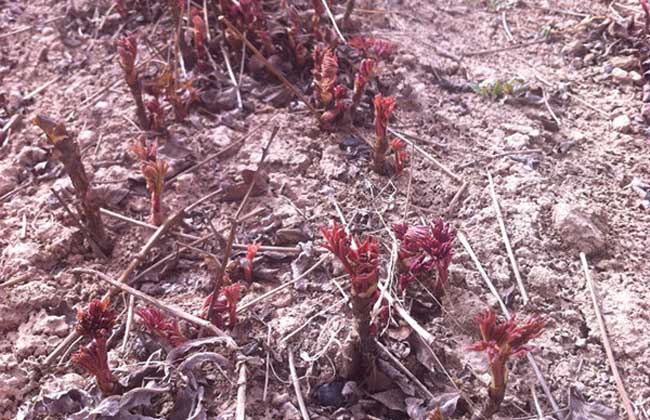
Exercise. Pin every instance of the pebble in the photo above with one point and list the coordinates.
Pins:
(30, 155)
(578, 230)
(620, 75)
(517, 140)
(646, 93)
(625, 62)
(622, 124)
(575, 48)
(86, 137)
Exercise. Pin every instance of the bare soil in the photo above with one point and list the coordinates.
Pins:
(542, 171)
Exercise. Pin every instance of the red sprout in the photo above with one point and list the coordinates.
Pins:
(154, 174)
(127, 49)
(361, 262)
(375, 48)
(96, 320)
(361, 79)
(501, 342)
(251, 250)
(399, 147)
(200, 34)
(300, 53)
(157, 324)
(227, 300)
(120, 6)
(94, 359)
(156, 114)
(338, 110)
(383, 109)
(325, 72)
(425, 252)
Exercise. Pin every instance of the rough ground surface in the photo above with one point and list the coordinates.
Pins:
(562, 190)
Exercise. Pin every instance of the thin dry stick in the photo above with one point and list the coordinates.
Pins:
(333, 20)
(498, 50)
(405, 370)
(122, 279)
(283, 286)
(241, 393)
(506, 240)
(235, 223)
(538, 408)
(129, 321)
(268, 363)
(172, 310)
(284, 249)
(39, 89)
(548, 107)
(608, 346)
(16, 280)
(29, 28)
(504, 21)
(233, 79)
(269, 66)
(506, 312)
(296, 387)
(433, 160)
(349, 8)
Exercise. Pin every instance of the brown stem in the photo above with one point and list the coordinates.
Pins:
(156, 215)
(141, 113)
(66, 150)
(379, 154)
(349, 8)
(361, 308)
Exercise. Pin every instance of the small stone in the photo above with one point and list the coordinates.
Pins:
(408, 60)
(86, 137)
(635, 77)
(645, 113)
(541, 278)
(574, 48)
(517, 140)
(222, 136)
(280, 399)
(578, 230)
(646, 93)
(8, 179)
(29, 155)
(625, 62)
(622, 124)
(620, 75)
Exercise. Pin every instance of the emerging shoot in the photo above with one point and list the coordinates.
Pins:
(94, 359)
(501, 341)
(160, 326)
(127, 49)
(383, 109)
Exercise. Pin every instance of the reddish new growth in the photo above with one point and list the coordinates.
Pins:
(96, 320)
(300, 53)
(156, 114)
(158, 325)
(200, 34)
(127, 49)
(94, 359)
(361, 80)
(251, 250)
(399, 150)
(383, 109)
(337, 111)
(120, 6)
(325, 72)
(501, 342)
(425, 253)
(154, 171)
(375, 48)
(361, 261)
(226, 303)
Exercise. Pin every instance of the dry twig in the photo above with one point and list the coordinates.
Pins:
(296, 387)
(620, 385)
(241, 393)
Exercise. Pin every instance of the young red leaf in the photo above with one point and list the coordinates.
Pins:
(325, 72)
(127, 49)
(200, 34)
(361, 80)
(232, 293)
(227, 301)
(401, 157)
(425, 252)
(339, 108)
(96, 320)
(383, 109)
(156, 114)
(251, 250)
(375, 48)
(154, 174)
(157, 324)
(94, 359)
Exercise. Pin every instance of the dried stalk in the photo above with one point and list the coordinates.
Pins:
(66, 150)
(296, 387)
(506, 240)
(620, 385)
(241, 393)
